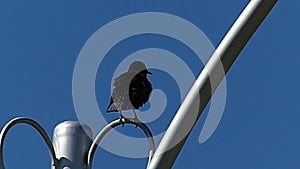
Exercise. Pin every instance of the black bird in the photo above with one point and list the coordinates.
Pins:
(131, 90)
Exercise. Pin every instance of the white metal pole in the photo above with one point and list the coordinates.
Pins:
(207, 82)
(71, 141)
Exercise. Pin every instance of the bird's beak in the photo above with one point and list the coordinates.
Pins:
(149, 72)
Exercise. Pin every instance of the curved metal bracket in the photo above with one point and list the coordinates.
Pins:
(110, 126)
(35, 125)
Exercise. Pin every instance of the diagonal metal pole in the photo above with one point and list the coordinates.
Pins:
(207, 82)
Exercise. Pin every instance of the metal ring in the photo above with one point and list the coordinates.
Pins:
(35, 125)
(116, 123)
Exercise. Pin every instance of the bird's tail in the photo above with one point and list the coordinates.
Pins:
(111, 107)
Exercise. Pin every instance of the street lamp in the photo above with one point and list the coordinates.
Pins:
(72, 146)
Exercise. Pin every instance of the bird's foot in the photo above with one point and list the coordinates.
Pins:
(136, 121)
(122, 120)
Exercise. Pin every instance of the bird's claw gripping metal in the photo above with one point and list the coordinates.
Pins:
(122, 119)
(136, 120)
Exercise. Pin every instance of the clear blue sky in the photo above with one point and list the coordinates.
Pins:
(40, 42)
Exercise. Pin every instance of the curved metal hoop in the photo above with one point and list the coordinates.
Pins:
(110, 126)
(35, 125)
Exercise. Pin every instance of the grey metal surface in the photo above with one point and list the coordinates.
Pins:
(35, 125)
(71, 141)
(72, 146)
(114, 124)
(207, 82)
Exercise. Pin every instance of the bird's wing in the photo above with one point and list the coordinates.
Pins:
(120, 93)
(111, 106)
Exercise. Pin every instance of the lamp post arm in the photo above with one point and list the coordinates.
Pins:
(36, 126)
(207, 82)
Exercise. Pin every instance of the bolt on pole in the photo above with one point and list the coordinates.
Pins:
(208, 81)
